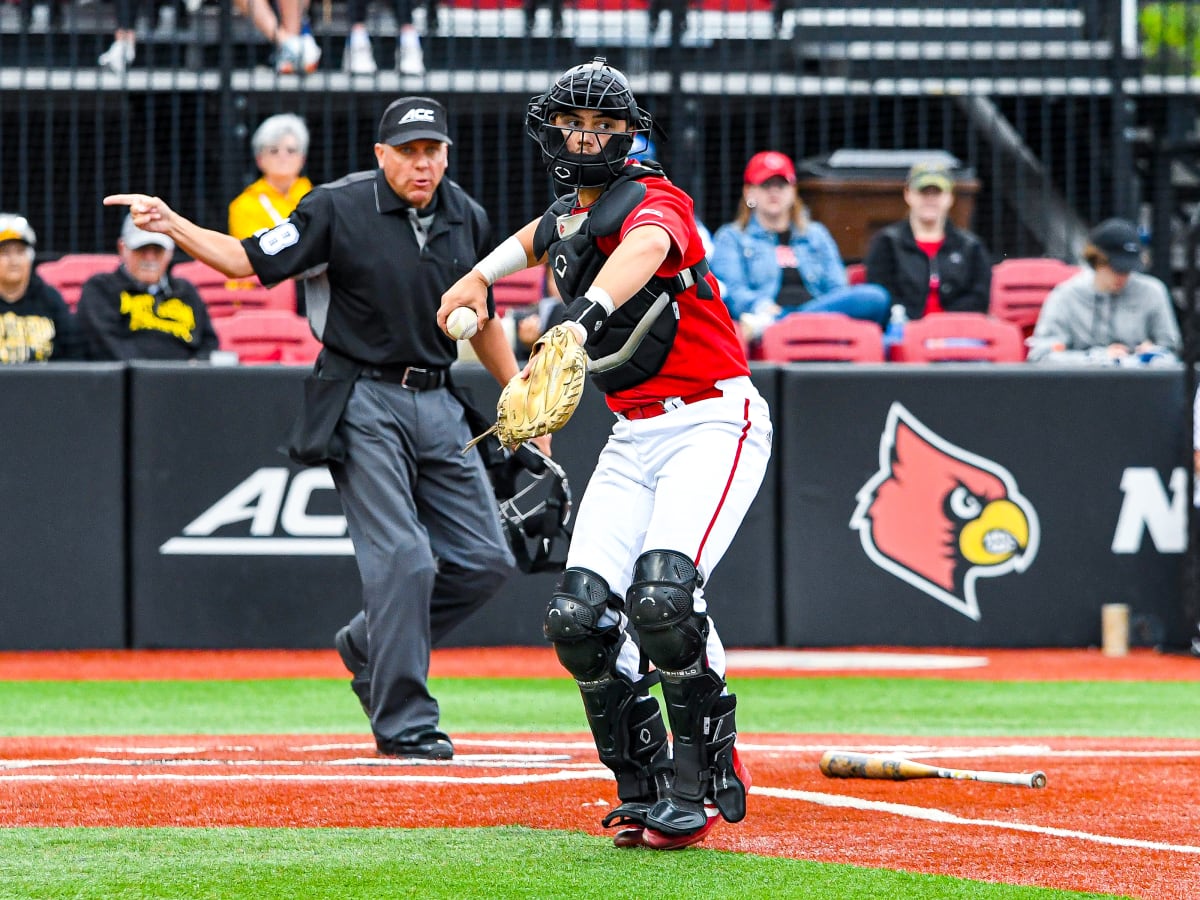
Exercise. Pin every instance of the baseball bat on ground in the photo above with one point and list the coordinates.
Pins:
(840, 764)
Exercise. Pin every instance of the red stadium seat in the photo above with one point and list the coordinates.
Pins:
(68, 273)
(524, 288)
(960, 337)
(1020, 286)
(225, 296)
(856, 273)
(822, 337)
(267, 336)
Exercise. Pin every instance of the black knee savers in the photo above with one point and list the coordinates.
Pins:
(661, 607)
(585, 648)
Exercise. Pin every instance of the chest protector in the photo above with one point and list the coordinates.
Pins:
(633, 343)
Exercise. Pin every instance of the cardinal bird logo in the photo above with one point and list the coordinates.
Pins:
(940, 517)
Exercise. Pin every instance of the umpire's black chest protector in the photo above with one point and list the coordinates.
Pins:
(633, 343)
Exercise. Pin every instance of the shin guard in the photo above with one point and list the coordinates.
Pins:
(702, 721)
(631, 740)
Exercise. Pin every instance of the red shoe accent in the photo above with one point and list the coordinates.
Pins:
(656, 840)
(629, 837)
(742, 772)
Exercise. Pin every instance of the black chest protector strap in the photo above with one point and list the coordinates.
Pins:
(633, 343)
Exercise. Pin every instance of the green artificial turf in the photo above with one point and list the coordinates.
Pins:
(441, 864)
(900, 706)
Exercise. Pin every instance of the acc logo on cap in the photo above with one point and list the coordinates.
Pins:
(418, 114)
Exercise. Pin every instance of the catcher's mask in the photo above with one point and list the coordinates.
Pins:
(593, 86)
(535, 506)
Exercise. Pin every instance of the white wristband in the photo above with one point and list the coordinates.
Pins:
(580, 332)
(509, 257)
(601, 296)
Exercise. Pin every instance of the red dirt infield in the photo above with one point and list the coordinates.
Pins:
(539, 662)
(1119, 816)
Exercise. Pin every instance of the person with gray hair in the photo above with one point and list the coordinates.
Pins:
(280, 146)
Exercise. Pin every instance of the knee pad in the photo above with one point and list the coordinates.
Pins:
(585, 648)
(661, 607)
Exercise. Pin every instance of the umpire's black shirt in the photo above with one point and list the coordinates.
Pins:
(377, 298)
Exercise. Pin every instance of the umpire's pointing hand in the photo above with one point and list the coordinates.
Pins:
(148, 213)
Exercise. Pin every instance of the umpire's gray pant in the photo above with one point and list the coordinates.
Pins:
(427, 539)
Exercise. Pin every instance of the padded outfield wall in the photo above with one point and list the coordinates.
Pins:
(154, 508)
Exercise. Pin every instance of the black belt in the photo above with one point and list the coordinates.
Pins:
(415, 378)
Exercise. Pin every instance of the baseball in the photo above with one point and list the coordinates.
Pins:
(462, 323)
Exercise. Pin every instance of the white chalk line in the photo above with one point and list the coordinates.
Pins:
(401, 771)
(603, 775)
(460, 761)
(941, 816)
(588, 774)
(923, 751)
(926, 751)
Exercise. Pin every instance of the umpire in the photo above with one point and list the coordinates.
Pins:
(378, 248)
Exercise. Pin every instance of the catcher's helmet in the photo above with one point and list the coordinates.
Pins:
(535, 506)
(594, 86)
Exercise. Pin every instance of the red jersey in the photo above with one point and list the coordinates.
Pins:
(933, 302)
(706, 348)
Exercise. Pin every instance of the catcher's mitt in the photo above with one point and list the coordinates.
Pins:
(543, 402)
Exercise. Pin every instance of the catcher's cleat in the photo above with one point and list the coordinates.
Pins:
(629, 837)
(673, 824)
(631, 816)
(660, 840)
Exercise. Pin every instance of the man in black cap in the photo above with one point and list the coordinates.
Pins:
(379, 248)
(1111, 312)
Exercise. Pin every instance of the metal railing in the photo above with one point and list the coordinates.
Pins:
(1058, 107)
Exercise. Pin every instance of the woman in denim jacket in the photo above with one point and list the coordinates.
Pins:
(773, 260)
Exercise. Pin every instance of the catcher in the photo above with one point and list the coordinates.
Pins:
(685, 459)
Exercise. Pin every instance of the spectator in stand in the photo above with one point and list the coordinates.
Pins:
(1110, 313)
(925, 262)
(296, 49)
(774, 260)
(121, 54)
(35, 323)
(139, 311)
(280, 146)
(410, 59)
(556, 15)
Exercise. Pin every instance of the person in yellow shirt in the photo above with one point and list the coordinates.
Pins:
(280, 146)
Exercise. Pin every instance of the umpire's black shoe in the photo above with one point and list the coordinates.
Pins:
(431, 746)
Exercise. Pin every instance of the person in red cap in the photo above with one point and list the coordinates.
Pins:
(773, 259)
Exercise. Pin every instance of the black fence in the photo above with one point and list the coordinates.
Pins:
(1065, 111)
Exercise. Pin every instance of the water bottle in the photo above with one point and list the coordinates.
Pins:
(894, 333)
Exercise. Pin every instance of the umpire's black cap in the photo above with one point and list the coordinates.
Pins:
(413, 119)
